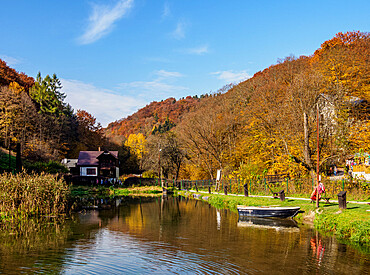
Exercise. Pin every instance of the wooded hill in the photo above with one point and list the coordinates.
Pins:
(268, 123)
(34, 115)
(156, 117)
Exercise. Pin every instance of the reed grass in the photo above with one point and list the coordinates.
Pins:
(26, 195)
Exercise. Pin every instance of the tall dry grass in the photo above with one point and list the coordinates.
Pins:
(26, 195)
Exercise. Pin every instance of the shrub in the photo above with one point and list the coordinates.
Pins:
(51, 167)
(149, 174)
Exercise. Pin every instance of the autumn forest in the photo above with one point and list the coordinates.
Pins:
(264, 125)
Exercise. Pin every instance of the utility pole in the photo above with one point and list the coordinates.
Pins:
(318, 158)
(160, 168)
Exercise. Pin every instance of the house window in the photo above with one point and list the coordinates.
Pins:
(91, 171)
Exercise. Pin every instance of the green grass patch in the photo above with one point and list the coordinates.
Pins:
(352, 224)
(4, 161)
(83, 191)
(137, 190)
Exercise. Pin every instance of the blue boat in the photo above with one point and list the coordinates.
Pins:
(267, 211)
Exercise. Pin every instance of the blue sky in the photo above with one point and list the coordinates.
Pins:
(116, 56)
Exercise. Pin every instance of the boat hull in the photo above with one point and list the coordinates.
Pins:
(268, 212)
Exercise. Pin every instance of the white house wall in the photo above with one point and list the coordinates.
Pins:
(83, 171)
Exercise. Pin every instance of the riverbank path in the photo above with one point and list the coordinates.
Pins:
(261, 196)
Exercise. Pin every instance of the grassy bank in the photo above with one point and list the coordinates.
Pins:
(139, 190)
(24, 195)
(81, 191)
(352, 224)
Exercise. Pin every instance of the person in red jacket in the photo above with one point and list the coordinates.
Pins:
(321, 189)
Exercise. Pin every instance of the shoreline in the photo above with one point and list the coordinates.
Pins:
(351, 225)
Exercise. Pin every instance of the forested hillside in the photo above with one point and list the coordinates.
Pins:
(155, 117)
(265, 124)
(34, 115)
(268, 123)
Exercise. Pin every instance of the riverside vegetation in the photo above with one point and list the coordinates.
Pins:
(31, 195)
(28, 197)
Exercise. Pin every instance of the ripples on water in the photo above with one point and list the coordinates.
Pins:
(117, 253)
(175, 236)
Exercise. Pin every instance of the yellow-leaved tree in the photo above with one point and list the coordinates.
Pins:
(137, 144)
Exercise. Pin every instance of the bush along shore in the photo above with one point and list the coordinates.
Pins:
(351, 225)
(32, 195)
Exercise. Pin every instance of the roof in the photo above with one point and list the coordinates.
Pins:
(69, 163)
(91, 157)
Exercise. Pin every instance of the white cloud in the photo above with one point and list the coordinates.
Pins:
(157, 89)
(152, 90)
(166, 10)
(165, 74)
(232, 77)
(197, 50)
(10, 61)
(107, 106)
(179, 32)
(102, 20)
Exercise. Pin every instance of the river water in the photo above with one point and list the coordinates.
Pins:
(172, 235)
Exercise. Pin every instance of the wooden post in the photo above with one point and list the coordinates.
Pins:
(282, 195)
(342, 200)
(246, 189)
(209, 189)
(225, 189)
(196, 187)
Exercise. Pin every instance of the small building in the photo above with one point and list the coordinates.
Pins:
(71, 165)
(97, 166)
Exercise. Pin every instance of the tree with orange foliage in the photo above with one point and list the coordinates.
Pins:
(9, 75)
(90, 132)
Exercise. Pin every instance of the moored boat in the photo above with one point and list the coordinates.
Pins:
(267, 211)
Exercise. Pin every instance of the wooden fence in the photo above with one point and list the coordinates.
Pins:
(260, 186)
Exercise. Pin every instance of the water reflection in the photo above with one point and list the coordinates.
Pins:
(173, 235)
(268, 223)
(318, 248)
